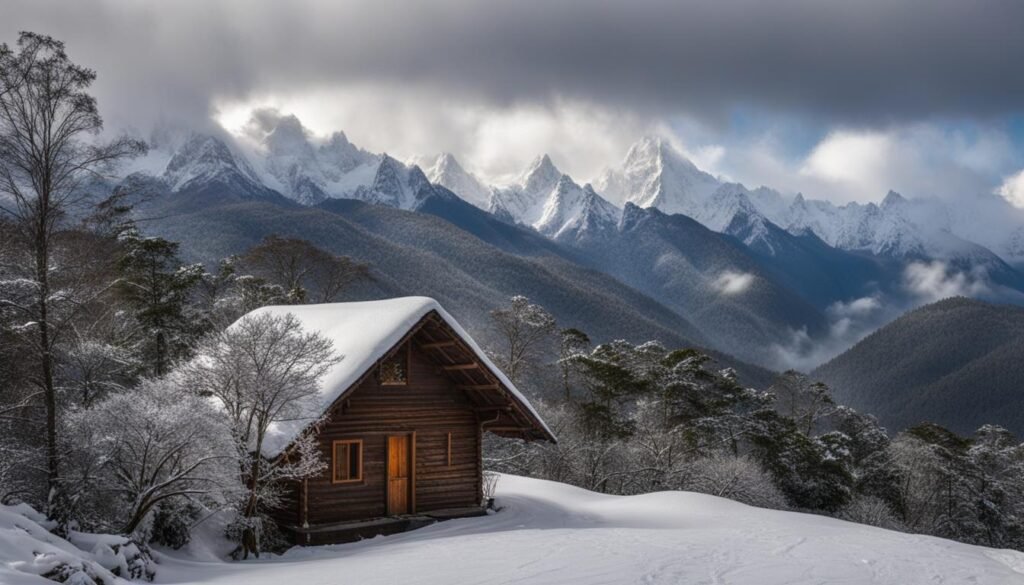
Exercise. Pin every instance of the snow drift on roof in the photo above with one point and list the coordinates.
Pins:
(362, 333)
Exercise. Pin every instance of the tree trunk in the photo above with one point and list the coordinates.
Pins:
(250, 540)
(46, 365)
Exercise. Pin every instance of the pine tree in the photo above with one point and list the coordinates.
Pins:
(157, 287)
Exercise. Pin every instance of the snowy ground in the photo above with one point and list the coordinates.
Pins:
(554, 534)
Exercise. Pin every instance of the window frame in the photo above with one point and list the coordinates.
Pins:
(395, 356)
(334, 461)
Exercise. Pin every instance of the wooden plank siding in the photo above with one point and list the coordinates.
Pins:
(431, 406)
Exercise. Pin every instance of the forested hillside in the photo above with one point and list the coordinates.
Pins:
(412, 253)
(957, 362)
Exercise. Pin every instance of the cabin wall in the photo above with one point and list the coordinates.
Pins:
(428, 405)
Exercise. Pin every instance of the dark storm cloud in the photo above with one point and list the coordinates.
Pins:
(862, 62)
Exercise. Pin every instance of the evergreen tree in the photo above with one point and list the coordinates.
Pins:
(157, 288)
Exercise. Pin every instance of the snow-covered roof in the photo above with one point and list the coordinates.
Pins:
(363, 333)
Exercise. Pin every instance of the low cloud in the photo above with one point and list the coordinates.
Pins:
(733, 283)
(1012, 189)
(951, 162)
(498, 83)
(936, 280)
(849, 322)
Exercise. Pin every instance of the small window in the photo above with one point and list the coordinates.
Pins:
(348, 461)
(394, 371)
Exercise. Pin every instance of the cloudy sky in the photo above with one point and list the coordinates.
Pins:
(838, 99)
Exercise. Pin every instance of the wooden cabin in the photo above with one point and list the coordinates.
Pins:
(403, 414)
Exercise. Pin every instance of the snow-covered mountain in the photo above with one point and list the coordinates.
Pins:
(445, 170)
(203, 165)
(395, 185)
(655, 174)
(572, 211)
(278, 156)
(304, 169)
(549, 201)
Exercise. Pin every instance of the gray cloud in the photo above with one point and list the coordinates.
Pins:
(864, 62)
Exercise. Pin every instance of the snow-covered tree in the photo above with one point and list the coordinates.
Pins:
(571, 343)
(48, 150)
(262, 370)
(225, 295)
(156, 287)
(151, 444)
(805, 401)
(812, 472)
(523, 328)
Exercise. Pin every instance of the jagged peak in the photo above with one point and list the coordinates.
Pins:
(659, 149)
(447, 159)
(270, 126)
(198, 146)
(447, 163)
(565, 182)
(541, 174)
(338, 137)
(416, 175)
(892, 198)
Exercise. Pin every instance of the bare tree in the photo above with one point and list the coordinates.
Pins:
(307, 273)
(524, 327)
(45, 116)
(264, 370)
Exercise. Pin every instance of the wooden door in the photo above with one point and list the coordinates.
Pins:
(400, 474)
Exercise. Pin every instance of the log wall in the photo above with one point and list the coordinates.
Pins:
(429, 406)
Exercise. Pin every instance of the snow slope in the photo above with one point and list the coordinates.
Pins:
(553, 534)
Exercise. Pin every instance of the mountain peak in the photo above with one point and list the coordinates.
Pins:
(444, 170)
(656, 149)
(338, 137)
(204, 160)
(447, 158)
(892, 198)
(542, 175)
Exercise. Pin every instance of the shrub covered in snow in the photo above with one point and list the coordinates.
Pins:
(738, 478)
(146, 447)
(27, 546)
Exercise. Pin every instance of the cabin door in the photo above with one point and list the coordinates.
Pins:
(401, 458)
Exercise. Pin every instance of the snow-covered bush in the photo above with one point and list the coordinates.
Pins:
(149, 445)
(28, 546)
(172, 522)
(738, 478)
(871, 510)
